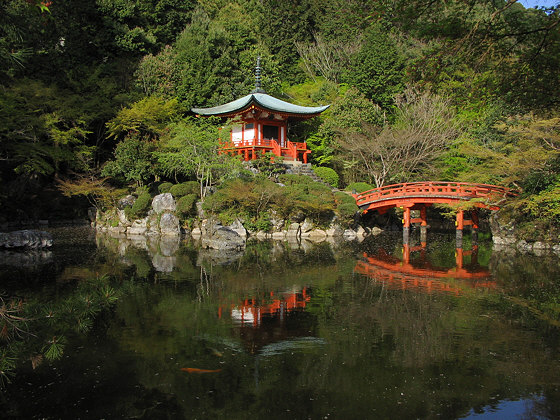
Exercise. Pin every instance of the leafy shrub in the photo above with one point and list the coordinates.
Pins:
(140, 207)
(164, 187)
(360, 187)
(185, 188)
(327, 174)
(345, 205)
(185, 205)
(291, 179)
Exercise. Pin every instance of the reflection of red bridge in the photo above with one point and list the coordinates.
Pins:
(251, 311)
(399, 274)
(419, 195)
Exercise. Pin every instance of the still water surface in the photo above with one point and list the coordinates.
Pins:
(293, 331)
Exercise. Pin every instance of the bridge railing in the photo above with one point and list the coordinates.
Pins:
(463, 190)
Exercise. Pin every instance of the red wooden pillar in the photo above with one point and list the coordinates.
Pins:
(253, 154)
(460, 220)
(459, 257)
(459, 228)
(474, 218)
(406, 217)
(246, 154)
(406, 253)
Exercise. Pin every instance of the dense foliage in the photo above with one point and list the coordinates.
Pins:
(461, 90)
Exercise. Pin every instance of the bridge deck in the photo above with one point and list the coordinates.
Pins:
(416, 193)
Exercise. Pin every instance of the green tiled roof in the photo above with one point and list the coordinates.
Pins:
(262, 100)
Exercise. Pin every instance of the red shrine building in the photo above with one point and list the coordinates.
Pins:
(263, 125)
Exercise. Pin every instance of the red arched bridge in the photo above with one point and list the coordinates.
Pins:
(420, 195)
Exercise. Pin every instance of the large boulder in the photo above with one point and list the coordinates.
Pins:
(216, 236)
(169, 224)
(164, 202)
(238, 227)
(26, 239)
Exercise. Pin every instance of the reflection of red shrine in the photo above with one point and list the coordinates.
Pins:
(263, 125)
(271, 318)
(252, 311)
(420, 274)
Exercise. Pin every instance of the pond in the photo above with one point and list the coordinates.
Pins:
(283, 330)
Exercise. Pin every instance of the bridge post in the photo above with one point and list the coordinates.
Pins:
(423, 225)
(406, 225)
(459, 228)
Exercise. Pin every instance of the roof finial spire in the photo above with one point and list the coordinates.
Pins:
(258, 88)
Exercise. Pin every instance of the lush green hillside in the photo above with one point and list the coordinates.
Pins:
(96, 94)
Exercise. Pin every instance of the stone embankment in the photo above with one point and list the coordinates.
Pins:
(162, 220)
(505, 235)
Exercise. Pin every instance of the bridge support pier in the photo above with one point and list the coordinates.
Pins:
(461, 223)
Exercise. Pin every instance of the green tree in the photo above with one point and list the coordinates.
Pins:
(191, 150)
(378, 68)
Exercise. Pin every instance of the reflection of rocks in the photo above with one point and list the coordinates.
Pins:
(163, 264)
(25, 258)
(162, 250)
(218, 256)
(26, 239)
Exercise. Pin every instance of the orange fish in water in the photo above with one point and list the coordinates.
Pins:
(195, 370)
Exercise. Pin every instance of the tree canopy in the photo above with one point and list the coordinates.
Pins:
(104, 88)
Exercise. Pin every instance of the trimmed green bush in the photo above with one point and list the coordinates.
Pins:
(345, 205)
(185, 205)
(185, 188)
(328, 175)
(140, 207)
(360, 187)
(164, 187)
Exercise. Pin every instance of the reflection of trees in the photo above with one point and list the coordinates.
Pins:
(531, 288)
(38, 328)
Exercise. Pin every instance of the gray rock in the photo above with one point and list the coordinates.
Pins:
(238, 227)
(163, 202)
(169, 224)
(279, 235)
(317, 235)
(376, 231)
(136, 230)
(293, 230)
(306, 226)
(216, 236)
(127, 201)
(349, 235)
(26, 239)
(335, 230)
(361, 231)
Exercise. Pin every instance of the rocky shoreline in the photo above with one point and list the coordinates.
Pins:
(162, 220)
